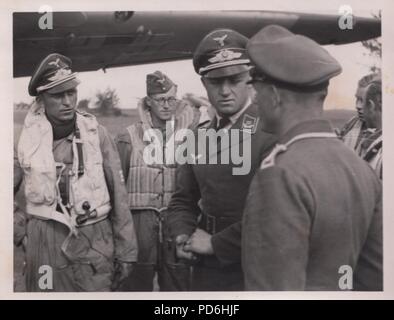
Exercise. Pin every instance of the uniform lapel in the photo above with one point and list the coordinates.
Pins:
(247, 124)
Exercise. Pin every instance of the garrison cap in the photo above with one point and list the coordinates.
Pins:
(53, 75)
(158, 82)
(221, 53)
(290, 59)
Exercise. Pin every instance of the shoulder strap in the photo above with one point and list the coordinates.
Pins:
(269, 161)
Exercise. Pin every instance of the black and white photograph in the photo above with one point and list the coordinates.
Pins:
(197, 150)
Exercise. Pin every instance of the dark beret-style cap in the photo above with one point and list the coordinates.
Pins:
(291, 59)
(53, 75)
(221, 53)
(157, 82)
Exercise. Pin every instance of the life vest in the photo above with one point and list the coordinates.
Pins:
(41, 183)
(150, 186)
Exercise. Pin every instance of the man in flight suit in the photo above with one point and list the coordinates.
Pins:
(78, 222)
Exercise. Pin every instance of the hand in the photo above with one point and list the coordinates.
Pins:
(200, 242)
(180, 242)
(122, 271)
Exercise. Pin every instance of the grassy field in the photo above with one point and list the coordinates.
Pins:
(339, 117)
(114, 124)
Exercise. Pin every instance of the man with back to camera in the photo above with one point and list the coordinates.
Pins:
(321, 214)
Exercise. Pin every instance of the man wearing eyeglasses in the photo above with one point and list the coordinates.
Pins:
(151, 182)
(214, 237)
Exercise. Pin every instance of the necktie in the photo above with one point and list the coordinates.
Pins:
(223, 122)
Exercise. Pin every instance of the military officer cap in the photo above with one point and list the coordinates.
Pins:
(291, 60)
(158, 82)
(221, 53)
(53, 75)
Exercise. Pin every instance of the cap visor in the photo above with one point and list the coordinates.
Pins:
(227, 71)
(71, 84)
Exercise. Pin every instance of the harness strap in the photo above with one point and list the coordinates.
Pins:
(64, 218)
(78, 142)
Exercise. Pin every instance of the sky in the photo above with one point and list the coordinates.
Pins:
(129, 82)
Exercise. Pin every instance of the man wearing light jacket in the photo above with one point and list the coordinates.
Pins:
(79, 235)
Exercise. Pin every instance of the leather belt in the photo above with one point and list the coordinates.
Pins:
(212, 224)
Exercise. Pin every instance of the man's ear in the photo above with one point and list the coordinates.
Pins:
(148, 101)
(371, 105)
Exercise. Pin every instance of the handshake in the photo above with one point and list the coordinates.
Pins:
(198, 243)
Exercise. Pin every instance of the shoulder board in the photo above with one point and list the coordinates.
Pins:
(88, 120)
(269, 161)
(249, 123)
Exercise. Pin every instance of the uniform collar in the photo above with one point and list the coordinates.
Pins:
(235, 117)
(317, 125)
(64, 129)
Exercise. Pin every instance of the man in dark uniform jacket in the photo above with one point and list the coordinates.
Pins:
(313, 218)
(214, 190)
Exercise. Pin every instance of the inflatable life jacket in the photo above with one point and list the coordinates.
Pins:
(89, 200)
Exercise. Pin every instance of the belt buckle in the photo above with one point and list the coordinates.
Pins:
(211, 224)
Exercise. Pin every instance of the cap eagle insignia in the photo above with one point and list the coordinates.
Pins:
(220, 40)
(55, 63)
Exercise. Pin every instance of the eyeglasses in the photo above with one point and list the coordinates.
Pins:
(161, 101)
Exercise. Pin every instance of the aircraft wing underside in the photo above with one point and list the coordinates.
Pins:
(100, 40)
